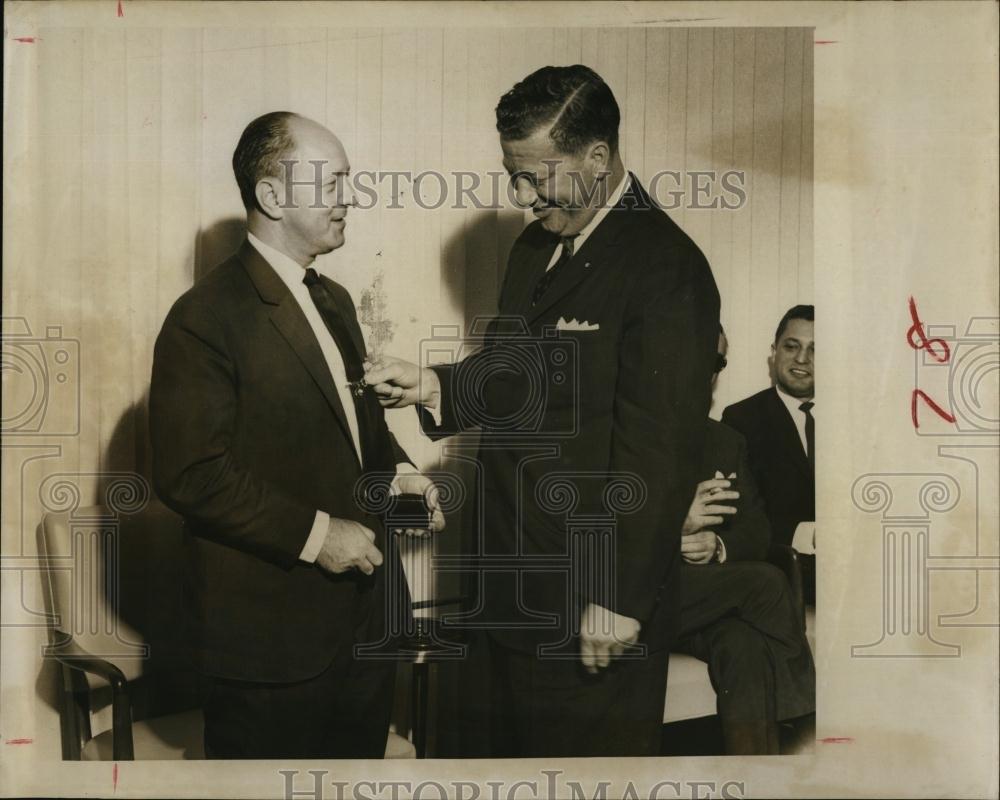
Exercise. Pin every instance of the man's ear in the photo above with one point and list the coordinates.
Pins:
(269, 192)
(599, 156)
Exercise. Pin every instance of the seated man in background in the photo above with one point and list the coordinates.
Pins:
(737, 613)
(779, 429)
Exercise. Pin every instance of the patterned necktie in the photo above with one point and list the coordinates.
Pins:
(806, 408)
(550, 274)
(376, 452)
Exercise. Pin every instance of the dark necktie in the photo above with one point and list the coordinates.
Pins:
(550, 274)
(376, 453)
(806, 408)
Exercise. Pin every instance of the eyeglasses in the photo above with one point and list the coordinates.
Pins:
(720, 362)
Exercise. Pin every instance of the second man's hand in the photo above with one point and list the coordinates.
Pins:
(605, 635)
(399, 383)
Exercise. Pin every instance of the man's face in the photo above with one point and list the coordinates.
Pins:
(315, 205)
(554, 184)
(793, 358)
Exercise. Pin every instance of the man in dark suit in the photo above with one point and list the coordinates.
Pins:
(261, 444)
(779, 427)
(591, 393)
(737, 613)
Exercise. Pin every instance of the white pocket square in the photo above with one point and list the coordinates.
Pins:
(576, 325)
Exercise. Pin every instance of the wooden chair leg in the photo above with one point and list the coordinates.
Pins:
(70, 716)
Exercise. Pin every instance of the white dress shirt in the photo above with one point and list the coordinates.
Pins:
(589, 228)
(798, 415)
(292, 274)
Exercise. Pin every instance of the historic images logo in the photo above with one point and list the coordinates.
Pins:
(41, 377)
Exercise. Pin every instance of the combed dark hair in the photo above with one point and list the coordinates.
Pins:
(575, 101)
(795, 312)
(258, 154)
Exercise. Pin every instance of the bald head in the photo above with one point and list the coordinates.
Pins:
(313, 142)
(271, 139)
(292, 173)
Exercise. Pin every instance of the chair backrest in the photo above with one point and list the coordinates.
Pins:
(115, 583)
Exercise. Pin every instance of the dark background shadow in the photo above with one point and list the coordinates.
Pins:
(474, 259)
(216, 243)
(461, 708)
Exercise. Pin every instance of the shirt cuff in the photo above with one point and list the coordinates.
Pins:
(721, 552)
(316, 538)
(804, 538)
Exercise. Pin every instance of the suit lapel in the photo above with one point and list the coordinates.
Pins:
(594, 252)
(568, 277)
(539, 257)
(788, 435)
(291, 323)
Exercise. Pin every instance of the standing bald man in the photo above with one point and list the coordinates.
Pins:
(259, 441)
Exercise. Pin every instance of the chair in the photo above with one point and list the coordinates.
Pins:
(114, 585)
(689, 689)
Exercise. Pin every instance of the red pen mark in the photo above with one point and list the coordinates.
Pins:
(114, 777)
(19, 741)
(922, 395)
(825, 41)
(938, 349)
(26, 39)
(917, 330)
(837, 740)
(121, 11)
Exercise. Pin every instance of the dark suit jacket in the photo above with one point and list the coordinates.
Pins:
(778, 461)
(249, 440)
(746, 535)
(561, 411)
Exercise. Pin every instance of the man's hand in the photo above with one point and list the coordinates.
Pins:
(415, 483)
(348, 545)
(398, 384)
(705, 510)
(604, 634)
(699, 548)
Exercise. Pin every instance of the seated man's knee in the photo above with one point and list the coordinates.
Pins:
(740, 648)
(765, 581)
